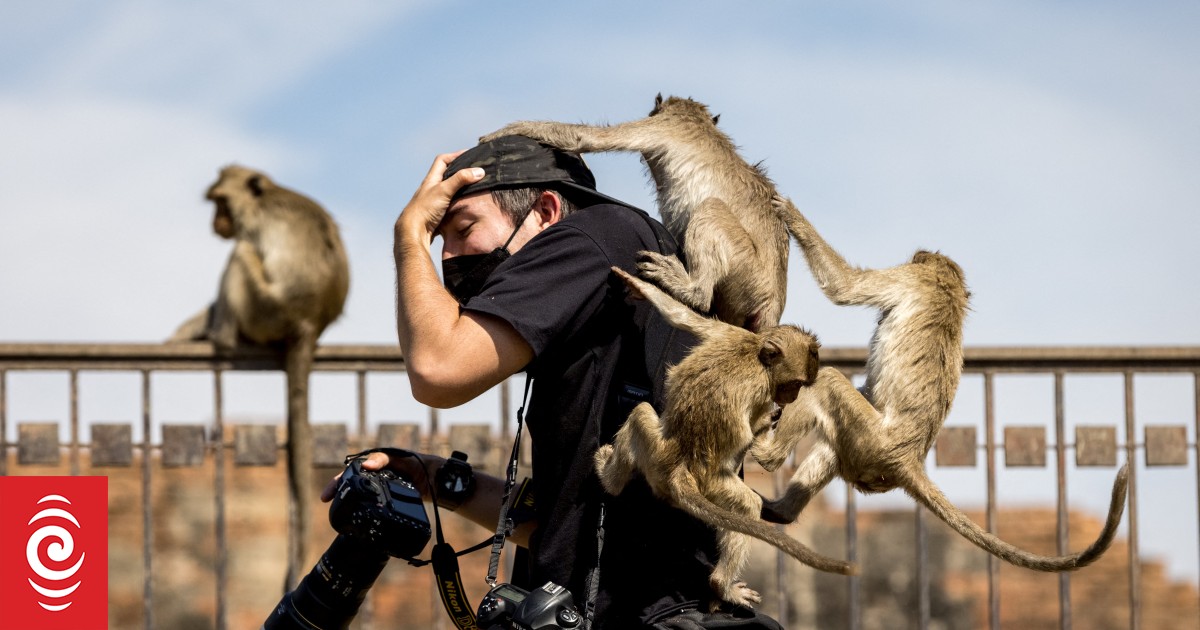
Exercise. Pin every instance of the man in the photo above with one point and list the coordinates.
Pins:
(530, 289)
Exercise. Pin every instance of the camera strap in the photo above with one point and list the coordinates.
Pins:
(449, 578)
(443, 557)
(504, 526)
(450, 584)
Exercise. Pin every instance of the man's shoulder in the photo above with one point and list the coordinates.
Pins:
(611, 224)
(607, 216)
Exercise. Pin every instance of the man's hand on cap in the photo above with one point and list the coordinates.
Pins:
(420, 218)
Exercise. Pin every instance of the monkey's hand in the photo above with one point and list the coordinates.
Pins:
(795, 220)
(527, 128)
(565, 136)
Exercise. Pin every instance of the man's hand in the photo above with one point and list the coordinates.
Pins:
(420, 218)
(407, 467)
(482, 508)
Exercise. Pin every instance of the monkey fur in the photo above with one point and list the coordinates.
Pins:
(718, 399)
(711, 200)
(285, 282)
(877, 438)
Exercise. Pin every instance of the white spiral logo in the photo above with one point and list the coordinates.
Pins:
(59, 551)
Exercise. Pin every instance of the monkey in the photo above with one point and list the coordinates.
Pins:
(711, 200)
(876, 438)
(286, 281)
(718, 399)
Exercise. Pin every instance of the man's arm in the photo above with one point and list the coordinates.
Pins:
(451, 356)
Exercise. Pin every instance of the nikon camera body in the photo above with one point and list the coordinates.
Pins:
(545, 608)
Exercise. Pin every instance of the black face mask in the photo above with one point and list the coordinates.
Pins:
(464, 275)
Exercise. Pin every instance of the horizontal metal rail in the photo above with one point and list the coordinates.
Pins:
(189, 356)
(357, 357)
(1093, 446)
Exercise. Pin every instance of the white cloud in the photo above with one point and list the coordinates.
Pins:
(106, 231)
(212, 56)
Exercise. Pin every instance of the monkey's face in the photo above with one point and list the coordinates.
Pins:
(791, 357)
(236, 192)
(786, 393)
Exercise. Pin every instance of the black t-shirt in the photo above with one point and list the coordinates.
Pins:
(595, 354)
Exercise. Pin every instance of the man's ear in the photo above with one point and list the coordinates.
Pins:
(548, 209)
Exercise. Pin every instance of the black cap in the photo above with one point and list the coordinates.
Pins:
(521, 162)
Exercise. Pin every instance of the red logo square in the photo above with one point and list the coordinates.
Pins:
(54, 552)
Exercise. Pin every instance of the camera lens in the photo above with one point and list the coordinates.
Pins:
(330, 595)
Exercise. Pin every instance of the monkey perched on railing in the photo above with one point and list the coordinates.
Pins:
(285, 282)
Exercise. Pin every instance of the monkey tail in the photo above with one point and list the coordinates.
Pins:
(689, 498)
(920, 487)
(298, 362)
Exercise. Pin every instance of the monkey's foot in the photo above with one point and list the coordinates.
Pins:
(609, 470)
(603, 454)
(672, 277)
(776, 512)
(767, 450)
(769, 458)
(740, 594)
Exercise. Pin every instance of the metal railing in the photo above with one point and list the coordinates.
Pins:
(957, 446)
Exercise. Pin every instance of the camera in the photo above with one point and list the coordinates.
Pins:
(380, 508)
(507, 606)
(376, 514)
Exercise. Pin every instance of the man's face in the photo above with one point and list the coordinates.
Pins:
(473, 224)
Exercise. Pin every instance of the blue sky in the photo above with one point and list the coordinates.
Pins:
(1050, 147)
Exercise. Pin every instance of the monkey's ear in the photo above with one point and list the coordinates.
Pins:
(255, 185)
(770, 353)
(716, 118)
